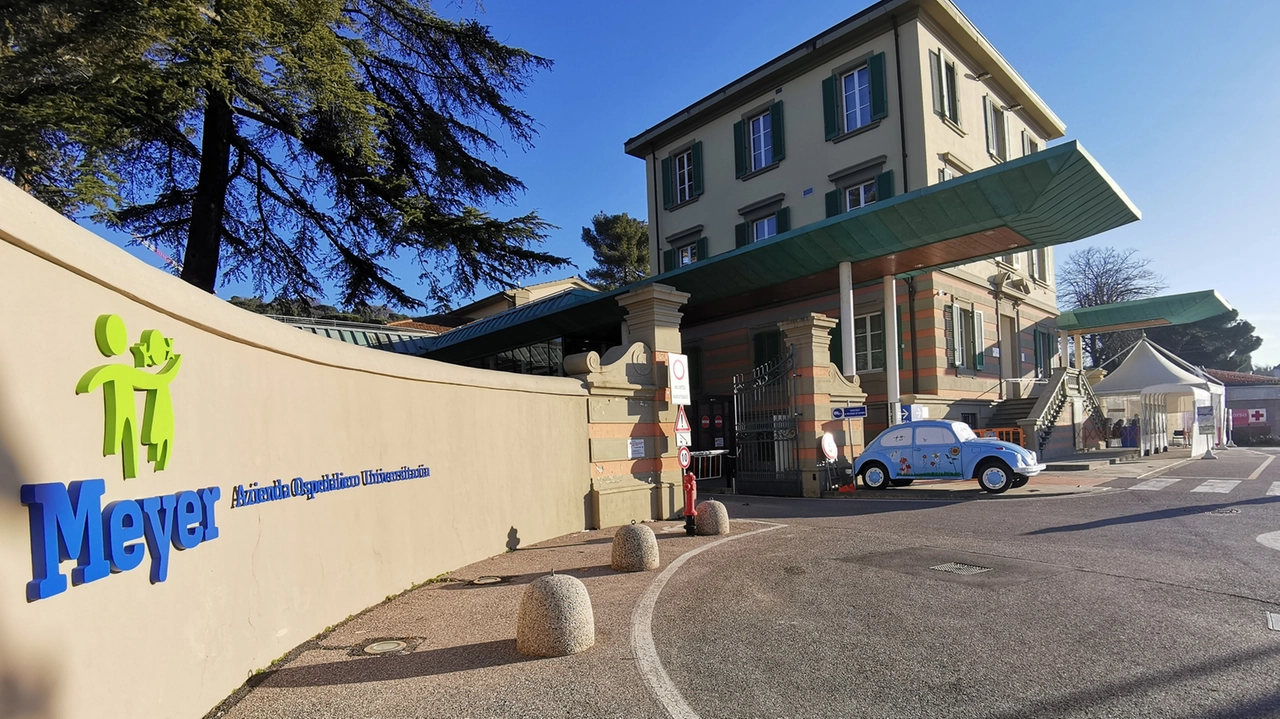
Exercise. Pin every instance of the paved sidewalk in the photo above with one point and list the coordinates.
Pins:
(460, 659)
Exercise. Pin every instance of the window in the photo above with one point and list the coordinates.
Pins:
(860, 195)
(761, 141)
(969, 418)
(1012, 259)
(997, 122)
(764, 228)
(946, 173)
(896, 437)
(1029, 144)
(1039, 264)
(766, 346)
(868, 335)
(684, 176)
(935, 435)
(946, 101)
(1046, 345)
(964, 337)
(857, 98)
(688, 254)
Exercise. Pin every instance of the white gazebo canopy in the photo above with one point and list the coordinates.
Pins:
(1163, 385)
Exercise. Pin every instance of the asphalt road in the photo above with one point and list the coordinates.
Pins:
(1146, 602)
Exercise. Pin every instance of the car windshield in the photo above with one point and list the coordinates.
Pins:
(963, 432)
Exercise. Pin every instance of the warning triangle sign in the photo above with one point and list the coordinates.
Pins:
(682, 421)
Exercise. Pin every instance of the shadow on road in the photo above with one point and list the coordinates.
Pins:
(744, 506)
(1080, 699)
(403, 666)
(1150, 516)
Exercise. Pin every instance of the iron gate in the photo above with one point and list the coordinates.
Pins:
(765, 428)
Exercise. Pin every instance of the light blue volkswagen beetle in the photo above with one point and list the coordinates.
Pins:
(941, 449)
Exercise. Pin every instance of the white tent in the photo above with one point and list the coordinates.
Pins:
(1164, 392)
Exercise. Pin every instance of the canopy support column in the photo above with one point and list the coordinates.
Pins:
(891, 350)
(848, 337)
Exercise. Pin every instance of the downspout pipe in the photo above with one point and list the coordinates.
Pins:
(911, 328)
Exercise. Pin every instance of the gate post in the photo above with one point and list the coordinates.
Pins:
(820, 386)
(629, 404)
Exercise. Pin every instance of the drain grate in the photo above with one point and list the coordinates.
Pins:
(961, 569)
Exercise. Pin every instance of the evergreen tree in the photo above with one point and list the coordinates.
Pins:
(620, 245)
(290, 142)
(1223, 342)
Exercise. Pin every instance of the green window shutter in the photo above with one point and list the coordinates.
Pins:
(837, 347)
(884, 185)
(667, 194)
(783, 219)
(902, 344)
(702, 249)
(739, 149)
(988, 122)
(1035, 334)
(668, 261)
(740, 235)
(949, 332)
(833, 203)
(779, 136)
(879, 86)
(979, 342)
(697, 169)
(831, 107)
(935, 75)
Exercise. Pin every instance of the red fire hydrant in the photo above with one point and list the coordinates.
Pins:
(690, 497)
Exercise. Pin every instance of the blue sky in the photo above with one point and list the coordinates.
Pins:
(1176, 100)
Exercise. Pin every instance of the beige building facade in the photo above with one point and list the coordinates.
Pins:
(904, 95)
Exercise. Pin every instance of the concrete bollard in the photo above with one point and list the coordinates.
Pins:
(555, 617)
(712, 518)
(635, 549)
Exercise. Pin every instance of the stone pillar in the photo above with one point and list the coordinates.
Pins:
(629, 403)
(819, 387)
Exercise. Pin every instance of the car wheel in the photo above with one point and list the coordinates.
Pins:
(1020, 480)
(875, 476)
(995, 476)
(902, 481)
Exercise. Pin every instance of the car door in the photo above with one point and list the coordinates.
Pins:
(936, 453)
(896, 444)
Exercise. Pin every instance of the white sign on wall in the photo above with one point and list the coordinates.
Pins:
(636, 449)
(678, 378)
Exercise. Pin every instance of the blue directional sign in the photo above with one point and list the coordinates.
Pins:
(848, 412)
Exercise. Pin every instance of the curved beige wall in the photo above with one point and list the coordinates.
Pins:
(254, 401)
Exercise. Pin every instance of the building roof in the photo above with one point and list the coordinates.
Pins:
(836, 40)
(1241, 379)
(1047, 198)
(1149, 312)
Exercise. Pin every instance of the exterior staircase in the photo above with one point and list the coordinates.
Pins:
(1010, 411)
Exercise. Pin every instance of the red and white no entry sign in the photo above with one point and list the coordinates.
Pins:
(685, 458)
(719, 421)
(706, 421)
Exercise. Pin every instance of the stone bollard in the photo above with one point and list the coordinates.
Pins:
(635, 549)
(712, 518)
(555, 617)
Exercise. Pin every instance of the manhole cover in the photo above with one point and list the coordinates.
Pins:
(961, 569)
(486, 580)
(391, 645)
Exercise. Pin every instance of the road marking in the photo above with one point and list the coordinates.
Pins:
(1154, 484)
(1218, 486)
(1270, 539)
(646, 653)
(1258, 472)
(1275, 490)
(1170, 468)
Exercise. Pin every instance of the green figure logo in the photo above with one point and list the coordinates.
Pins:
(120, 381)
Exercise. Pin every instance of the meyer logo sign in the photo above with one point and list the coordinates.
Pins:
(69, 522)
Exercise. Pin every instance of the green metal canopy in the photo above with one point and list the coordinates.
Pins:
(1052, 197)
(1149, 312)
